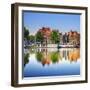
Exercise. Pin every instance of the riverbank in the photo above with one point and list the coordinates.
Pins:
(53, 46)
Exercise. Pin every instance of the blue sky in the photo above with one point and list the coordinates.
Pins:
(63, 22)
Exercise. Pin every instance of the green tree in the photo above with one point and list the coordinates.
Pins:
(39, 37)
(31, 38)
(26, 33)
(55, 36)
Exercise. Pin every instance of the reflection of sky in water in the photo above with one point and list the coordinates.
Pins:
(61, 68)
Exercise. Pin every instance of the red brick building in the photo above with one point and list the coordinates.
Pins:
(74, 37)
(46, 32)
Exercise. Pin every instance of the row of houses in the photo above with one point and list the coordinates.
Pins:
(71, 37)
(67, 38)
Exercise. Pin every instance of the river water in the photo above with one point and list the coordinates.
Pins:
(52, 62)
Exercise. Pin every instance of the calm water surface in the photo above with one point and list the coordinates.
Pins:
(52, 62)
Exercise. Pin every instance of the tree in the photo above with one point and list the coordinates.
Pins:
(31, 38)
(39, 37)
(55, 36)
(26, 33)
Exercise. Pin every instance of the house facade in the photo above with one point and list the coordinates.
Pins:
(46, 33)
(68, 38)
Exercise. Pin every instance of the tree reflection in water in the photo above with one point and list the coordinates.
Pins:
(39, 56)
(55, 57)
(47, 56)
(26, 58)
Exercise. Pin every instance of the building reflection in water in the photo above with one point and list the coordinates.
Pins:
(71, 55)
(46, 56)
(43, 56)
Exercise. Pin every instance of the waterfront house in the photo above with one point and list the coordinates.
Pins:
(46, 33)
